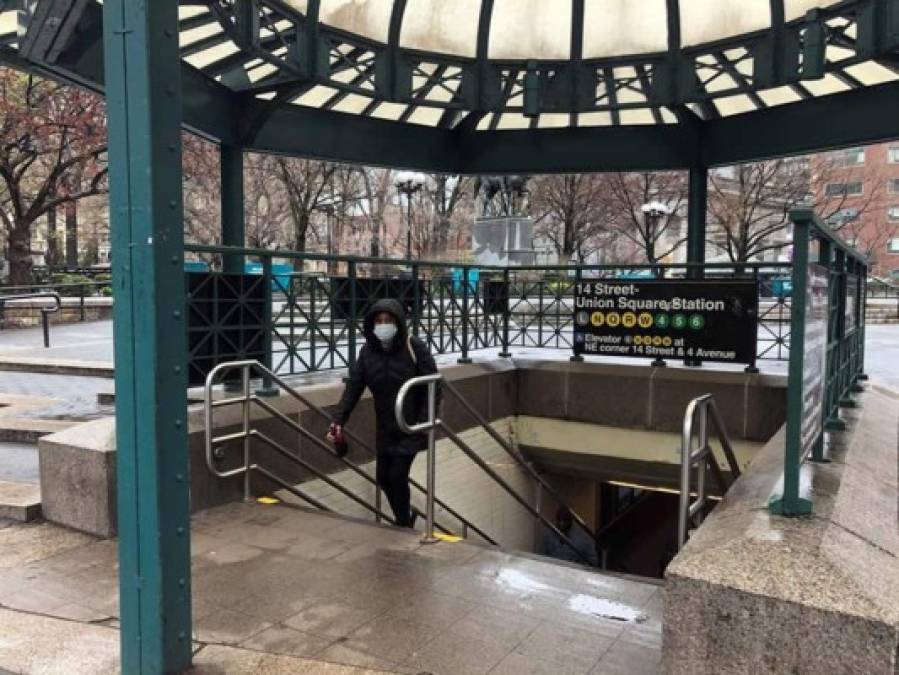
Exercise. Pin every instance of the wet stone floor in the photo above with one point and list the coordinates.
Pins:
(286, 581)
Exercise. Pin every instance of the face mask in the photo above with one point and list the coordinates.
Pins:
(385, 332)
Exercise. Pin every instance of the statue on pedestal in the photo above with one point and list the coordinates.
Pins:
(502, 196)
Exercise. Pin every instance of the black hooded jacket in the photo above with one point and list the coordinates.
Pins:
(384, 371)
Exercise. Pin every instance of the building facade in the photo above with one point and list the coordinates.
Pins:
(860, 198)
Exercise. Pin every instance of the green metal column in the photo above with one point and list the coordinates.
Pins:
(143, 92)
(233, 226)
(697, 208)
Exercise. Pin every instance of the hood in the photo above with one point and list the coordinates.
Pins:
(391, 306)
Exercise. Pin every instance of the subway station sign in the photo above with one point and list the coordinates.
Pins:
(709, 320)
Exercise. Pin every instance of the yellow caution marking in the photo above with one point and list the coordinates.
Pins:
(449, 538)
(267, 500)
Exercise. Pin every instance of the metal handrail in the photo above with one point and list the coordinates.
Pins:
(701, 457)
(246, 399)
(433, 422)
(45, 311)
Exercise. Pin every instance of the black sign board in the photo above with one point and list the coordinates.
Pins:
(704, 320)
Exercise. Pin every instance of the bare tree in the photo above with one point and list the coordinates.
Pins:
(449, 197)
(657, 234)
(309, 186)
(375, 187)
(202, 188)
(267, 208)
(750, 204)
(52, 154)
(571, 211)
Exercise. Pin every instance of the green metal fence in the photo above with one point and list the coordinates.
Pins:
(827, 360)
(315, 319)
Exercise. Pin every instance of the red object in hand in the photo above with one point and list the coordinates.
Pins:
(335, 433)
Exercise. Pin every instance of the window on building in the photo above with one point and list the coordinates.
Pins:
(894, 185)
(893, 213)
(849, 157)
(893, 245)
(893, 154)
(841, 189)
(842, 217)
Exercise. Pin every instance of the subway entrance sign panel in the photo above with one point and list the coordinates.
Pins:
(708, 320)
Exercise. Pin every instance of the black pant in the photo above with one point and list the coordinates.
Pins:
(392, 474)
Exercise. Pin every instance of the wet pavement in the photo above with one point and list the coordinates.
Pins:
(286, 581)
(19, 463)
(87, 341)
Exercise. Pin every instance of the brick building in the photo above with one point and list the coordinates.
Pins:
(864, 184)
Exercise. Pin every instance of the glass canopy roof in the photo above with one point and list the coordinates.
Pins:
(494, 65)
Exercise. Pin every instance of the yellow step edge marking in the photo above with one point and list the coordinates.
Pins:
(450, 538)
(267, 500)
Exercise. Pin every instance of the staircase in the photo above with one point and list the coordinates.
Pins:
(351, 490)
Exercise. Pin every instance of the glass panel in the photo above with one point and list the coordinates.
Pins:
(621, 27)
(708, 20)
(530, 29)
(441, 26)
(368, 18)
(795, 9)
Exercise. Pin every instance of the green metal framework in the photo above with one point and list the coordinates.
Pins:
(746, 97)
(847, 272)
(246, 74)
(316, 320)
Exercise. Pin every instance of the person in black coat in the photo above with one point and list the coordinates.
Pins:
(389, 358)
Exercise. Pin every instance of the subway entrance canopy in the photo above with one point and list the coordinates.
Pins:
(456, 86)
(511, 85)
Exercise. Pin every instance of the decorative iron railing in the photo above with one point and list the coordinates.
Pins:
(315, 320)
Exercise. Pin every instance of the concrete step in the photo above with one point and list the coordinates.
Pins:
(20, 501)
(29, 430)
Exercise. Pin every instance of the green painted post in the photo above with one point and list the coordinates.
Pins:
(578, 277)
(268, 388)
(507, 310)
(697, 210)
(354, 314)
(416, 301)
(789, 503)
(143, 94)
(232, 202)
(465, 310)
(862, 272)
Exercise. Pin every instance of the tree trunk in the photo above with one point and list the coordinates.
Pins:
(71, 235)
(20, 262)
(52, 257)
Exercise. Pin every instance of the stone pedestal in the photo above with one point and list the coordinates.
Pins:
(505, 240)
(78, 477)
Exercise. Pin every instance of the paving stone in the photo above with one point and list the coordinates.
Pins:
(283, 640)
(450, 654)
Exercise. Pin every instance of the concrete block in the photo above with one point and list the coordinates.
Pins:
(756, 593)
(78, 477)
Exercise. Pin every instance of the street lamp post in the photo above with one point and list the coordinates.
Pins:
(653, 212)
(329, 209)
(408, 183)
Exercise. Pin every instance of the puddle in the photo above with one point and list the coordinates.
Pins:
(520, 581)
(606, 609)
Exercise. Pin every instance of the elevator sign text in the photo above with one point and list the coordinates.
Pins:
(694, 320)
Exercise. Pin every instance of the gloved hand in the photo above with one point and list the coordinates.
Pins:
(336, 437)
